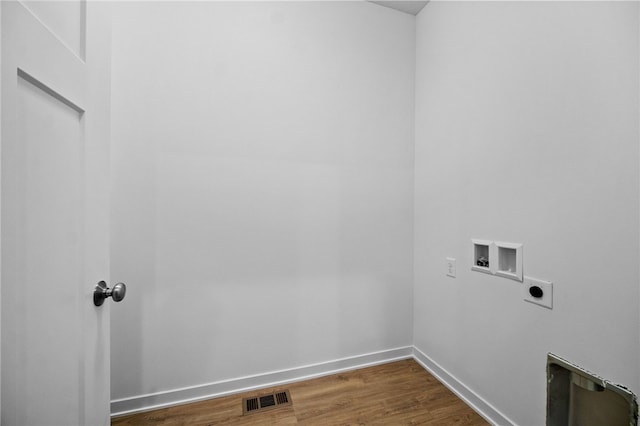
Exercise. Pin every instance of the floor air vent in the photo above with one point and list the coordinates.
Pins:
(265, 402)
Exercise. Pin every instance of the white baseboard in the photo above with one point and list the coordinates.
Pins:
(482, 407)
(244, 384)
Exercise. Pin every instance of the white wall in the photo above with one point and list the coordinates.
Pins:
(262, 194)
(527, 131)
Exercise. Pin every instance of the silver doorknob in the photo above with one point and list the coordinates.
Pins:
(101, 292)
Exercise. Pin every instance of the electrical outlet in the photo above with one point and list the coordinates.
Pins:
(538, 291)
(451, 267)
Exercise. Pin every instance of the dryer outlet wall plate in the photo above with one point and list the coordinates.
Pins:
(538, 291)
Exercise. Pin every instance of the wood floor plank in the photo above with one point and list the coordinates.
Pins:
(397, 393)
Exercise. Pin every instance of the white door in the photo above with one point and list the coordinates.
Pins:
(54, 212)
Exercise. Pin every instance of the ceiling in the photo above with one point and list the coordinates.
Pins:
(411, 7)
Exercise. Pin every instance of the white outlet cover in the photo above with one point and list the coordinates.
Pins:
(451, 267)
(547, 292)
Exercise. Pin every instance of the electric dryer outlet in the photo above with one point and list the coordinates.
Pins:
(538, 291)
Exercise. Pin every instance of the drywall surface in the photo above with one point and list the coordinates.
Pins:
(262, 188)
(527, 132)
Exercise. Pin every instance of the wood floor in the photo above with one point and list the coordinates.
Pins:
(398, 393)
